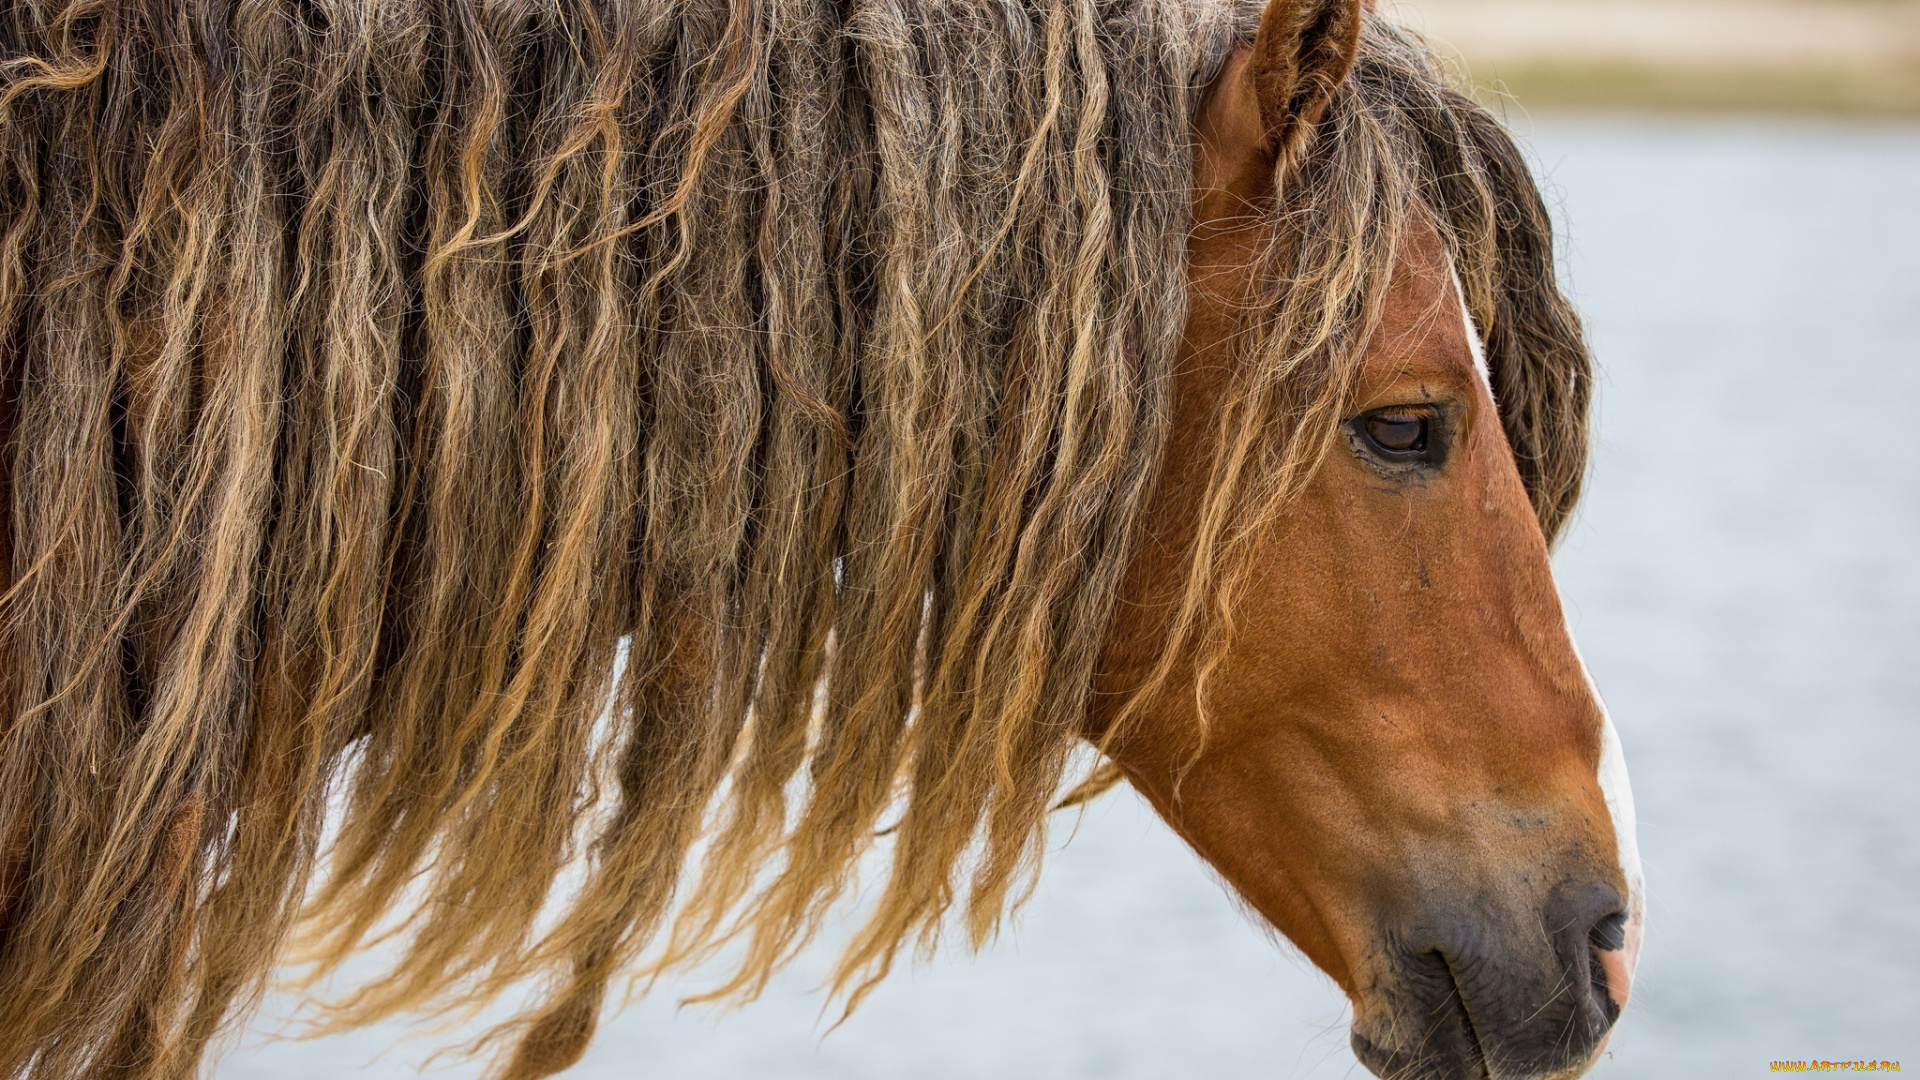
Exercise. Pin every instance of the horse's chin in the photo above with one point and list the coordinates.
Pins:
(1399, 1065)
(1454, 1052)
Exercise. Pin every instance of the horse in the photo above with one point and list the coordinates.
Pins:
(555, 485)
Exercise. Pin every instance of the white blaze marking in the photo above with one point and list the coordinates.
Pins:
(1614, 787)
(1474, 343)
(1619, 795)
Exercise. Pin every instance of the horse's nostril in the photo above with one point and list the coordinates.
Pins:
(1610, 933)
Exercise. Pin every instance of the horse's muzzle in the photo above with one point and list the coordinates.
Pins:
(1489, 998)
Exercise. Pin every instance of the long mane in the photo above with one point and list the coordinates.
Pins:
(655, 447)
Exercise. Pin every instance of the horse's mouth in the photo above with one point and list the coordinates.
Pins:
(1476, 1051)
(1449, 1045)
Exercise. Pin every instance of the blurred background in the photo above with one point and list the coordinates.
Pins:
(1737, 184)
(1825, 57)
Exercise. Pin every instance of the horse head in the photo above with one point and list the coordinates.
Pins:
(1396, 756)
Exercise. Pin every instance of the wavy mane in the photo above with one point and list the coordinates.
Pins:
(667, 444)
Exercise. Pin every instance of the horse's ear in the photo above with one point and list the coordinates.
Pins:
(1269, 98)
(1301, 55)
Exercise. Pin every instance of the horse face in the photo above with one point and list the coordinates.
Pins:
(1405, 769)
(1405, 766)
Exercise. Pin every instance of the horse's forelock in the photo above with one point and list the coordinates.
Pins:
(1472, 179)
(1403, 143)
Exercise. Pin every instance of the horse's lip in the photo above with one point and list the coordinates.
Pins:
(1465, 1016)
(1474, 1059)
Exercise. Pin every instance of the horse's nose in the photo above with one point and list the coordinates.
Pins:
(1591, 943)
(1610, 933)
(1475, 982)
(1613, 962)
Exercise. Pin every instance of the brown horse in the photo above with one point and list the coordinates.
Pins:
(704, 438)
(1406, 769)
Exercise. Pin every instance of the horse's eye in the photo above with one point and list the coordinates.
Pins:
(1397, 432)
(1405, 440)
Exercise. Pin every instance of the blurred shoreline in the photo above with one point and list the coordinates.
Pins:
(1808, 57)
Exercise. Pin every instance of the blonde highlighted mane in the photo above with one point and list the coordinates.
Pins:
(560, 434)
